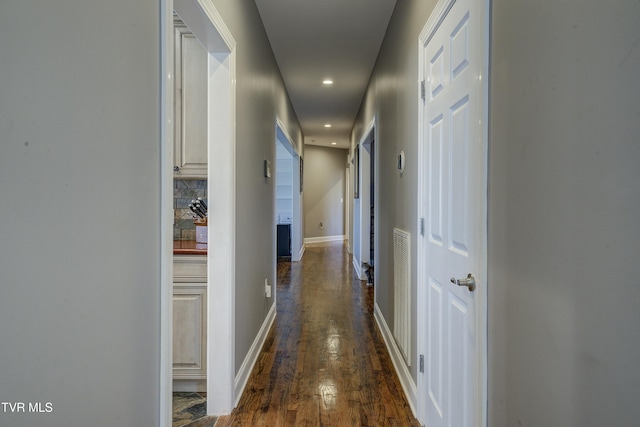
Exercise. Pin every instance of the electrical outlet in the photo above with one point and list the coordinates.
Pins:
(267, 288)
(321, 225)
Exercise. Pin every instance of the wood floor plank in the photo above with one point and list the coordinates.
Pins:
(324, 362)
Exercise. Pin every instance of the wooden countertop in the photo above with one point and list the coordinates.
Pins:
(189, 247)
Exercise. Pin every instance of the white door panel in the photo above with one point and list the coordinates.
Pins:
(452, 202)
(435, 359)
(435, 183)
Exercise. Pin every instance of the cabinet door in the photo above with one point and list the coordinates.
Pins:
(190, 139)
(189, 331)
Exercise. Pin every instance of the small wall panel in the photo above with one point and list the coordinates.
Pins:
(435, 180)
(434, 345)
(459, 182)
(460, 47)
(436, 73)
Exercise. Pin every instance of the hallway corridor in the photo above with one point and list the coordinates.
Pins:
(324, 362)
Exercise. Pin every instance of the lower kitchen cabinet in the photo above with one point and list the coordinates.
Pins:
(284, 239)
(190, 323)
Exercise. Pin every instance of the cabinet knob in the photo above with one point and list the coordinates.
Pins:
(176, 168)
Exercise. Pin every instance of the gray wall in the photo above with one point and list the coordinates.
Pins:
(564, 203)
(564, 233)
(79, 269)
(324, 175)
(260, 97)
(79, 141)
(392, 99)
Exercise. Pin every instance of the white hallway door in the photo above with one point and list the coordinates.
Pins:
(452, 186)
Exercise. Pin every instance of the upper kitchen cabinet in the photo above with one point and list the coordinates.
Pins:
(190, 71)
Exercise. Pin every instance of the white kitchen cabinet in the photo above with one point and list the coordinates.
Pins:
(190, 103)
(190, 323)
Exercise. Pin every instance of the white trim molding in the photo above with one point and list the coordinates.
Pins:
(252, 356)
(358, 269)
(166, 212)
(408, 385)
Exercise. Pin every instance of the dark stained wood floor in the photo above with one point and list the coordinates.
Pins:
(324, 362)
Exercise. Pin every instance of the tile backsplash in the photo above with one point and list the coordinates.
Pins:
(184, 191)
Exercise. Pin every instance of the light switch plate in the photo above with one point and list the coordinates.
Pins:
(267, 169)
(267, 288)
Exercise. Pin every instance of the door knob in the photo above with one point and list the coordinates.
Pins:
(469, 282)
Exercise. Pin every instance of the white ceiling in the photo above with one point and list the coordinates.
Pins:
(314, 40)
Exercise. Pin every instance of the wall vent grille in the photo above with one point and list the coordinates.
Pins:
(402, 293)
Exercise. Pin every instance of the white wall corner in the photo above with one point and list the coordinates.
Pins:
(408, 385)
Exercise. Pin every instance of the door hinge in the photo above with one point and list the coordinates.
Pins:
(422, 363)
(422, 227)
(423, 90)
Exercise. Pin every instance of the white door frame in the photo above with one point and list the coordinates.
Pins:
(347, 211)
(166, 212)
(361, 209)
(207, 25)
(437, 16)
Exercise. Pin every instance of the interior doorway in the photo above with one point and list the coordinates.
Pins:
(347, 207)
(370, 148)
(289, 241)
(364, 207)
(203, 20)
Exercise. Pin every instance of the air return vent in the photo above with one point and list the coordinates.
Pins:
(401, 294)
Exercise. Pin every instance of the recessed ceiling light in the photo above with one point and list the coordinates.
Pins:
(327, 125)
(327, 82)
(334, 143)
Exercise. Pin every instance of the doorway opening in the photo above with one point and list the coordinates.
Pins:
(289, 242)
(217, 309)
(284, 200)
(364, 207)
(369, 146)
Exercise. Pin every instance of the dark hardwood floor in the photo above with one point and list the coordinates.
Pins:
(324, 362)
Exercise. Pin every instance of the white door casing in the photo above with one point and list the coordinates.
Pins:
(452, 203)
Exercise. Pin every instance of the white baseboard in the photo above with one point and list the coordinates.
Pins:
(408, 385)
(301, 252)
(252, 356)
(358, 268)
(324, 239)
